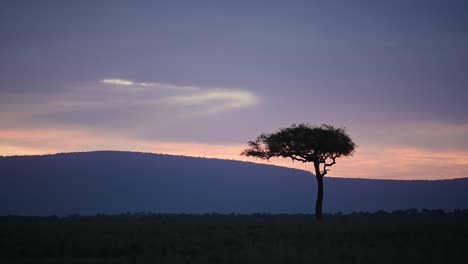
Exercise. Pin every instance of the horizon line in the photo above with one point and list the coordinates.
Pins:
(222, 159)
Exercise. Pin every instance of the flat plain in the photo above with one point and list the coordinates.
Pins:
(232, 239)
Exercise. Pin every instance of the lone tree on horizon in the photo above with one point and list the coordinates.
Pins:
(321, 145)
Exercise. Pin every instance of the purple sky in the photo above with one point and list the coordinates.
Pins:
(211, 75)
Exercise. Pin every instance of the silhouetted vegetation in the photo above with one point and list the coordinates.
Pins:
(403, 236)
(320, 145)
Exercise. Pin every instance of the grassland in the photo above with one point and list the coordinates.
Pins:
(232, 239)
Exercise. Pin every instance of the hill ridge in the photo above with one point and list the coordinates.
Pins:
(119, 181)
(219, 159)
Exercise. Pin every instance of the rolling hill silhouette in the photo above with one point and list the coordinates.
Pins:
(115, 182)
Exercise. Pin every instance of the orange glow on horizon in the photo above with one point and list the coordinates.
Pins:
(389, 162)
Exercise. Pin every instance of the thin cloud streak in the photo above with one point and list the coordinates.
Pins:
(156, 85)
(205, 100)
(219, 100)
(117, 82)
(82, 104)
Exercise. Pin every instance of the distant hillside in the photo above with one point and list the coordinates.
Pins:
(114, 182)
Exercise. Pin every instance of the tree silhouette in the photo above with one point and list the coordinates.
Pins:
(321, 145)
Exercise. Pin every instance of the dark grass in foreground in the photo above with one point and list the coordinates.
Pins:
(234, 239)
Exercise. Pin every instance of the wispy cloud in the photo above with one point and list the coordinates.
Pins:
(214, 101)
(156, 85)
(205, 100)
(117, 82)
(136, 107)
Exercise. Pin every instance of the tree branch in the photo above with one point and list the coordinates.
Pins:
(325, 165)
(294, 157)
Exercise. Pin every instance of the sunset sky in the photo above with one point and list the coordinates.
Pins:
(201, 78)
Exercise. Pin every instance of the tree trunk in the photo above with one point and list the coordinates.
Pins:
(319, 201)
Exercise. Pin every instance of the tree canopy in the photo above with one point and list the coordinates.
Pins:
(321, 144)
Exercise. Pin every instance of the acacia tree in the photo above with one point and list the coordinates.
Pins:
(321, 145)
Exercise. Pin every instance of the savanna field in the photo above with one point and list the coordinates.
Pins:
(234, 239)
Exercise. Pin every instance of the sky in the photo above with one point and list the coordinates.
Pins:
(201, 78)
